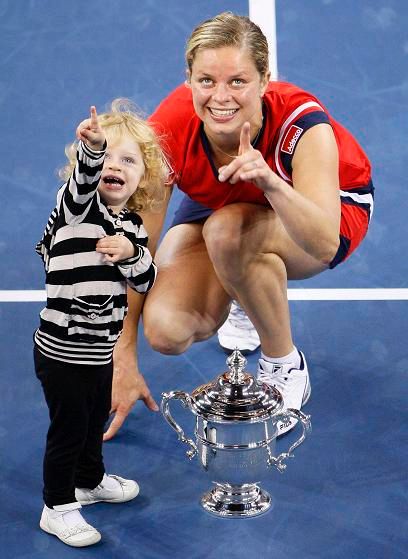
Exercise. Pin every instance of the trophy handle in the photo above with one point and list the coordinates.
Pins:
(165, 409)
(278, 462)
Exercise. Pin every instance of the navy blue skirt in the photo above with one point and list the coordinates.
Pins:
(190, 211)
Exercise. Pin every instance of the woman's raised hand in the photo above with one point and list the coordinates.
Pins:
(249, 165)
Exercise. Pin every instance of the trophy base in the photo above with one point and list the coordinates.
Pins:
(236, 501)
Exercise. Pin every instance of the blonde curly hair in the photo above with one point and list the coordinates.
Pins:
(121, 119)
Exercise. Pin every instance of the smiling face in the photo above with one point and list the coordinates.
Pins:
(122, 171)
(227, 91)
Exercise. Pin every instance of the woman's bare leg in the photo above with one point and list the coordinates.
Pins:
(187, 303)
(253, 258)
(242, 251)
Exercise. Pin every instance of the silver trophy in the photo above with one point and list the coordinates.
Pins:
(235, 437)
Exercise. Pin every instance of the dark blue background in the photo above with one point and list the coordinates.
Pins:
(344, 494)
(60, 57)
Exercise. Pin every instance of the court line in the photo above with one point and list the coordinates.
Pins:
(350, 294)
(262, 12)
(332, 294)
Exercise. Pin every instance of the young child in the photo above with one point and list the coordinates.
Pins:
(93, 247)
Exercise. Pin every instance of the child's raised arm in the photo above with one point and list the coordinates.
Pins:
(91, 132)
(83, 182)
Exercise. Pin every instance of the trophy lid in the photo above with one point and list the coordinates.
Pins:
(236, 396)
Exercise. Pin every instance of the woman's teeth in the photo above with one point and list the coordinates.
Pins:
(223, 112)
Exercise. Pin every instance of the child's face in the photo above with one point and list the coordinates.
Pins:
(122, 171)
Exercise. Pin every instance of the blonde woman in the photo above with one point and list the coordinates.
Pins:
(275, 189)
(94, 246)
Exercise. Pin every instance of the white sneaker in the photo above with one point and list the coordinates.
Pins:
(68, 524)
(112, 489)
(238, 332)
(292, 383)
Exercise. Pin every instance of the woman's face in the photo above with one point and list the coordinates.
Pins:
(227, 90)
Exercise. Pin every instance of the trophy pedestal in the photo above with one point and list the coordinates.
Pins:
(236, 501)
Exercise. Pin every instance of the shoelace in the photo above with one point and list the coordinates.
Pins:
(121, 482)
(277, 380)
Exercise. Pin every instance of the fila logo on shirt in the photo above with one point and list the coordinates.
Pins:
(292, 136)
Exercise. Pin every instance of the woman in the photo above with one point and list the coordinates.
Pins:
(277, 190)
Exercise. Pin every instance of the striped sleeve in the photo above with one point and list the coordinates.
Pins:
(83, 183)
(140, 271)
(43, 246)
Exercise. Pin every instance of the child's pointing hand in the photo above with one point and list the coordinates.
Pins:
(90, 131)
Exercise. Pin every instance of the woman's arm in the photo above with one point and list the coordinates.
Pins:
(128, 383)
(310, 211)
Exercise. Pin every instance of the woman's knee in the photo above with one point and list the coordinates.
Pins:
(165, 333)
(223, 235)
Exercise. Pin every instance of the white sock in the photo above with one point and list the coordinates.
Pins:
(292, 357)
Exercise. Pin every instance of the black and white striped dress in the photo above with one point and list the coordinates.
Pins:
(86, 296)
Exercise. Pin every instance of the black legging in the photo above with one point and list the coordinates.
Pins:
(79, 400)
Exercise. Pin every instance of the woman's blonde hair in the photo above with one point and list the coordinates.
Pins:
(124, 119)
(230, 30)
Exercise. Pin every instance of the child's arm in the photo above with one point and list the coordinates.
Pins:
(132, 258)
(139, 271)
(84, 180)
(116, 248)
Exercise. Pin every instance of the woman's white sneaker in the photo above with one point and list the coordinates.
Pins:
(112, 489)
(293, 383)
(238, 332)
(68, 524)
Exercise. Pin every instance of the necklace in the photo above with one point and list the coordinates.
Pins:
(214, 145)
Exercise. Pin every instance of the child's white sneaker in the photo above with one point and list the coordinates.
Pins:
(68, 524)
(112, 489)
(293, 383)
